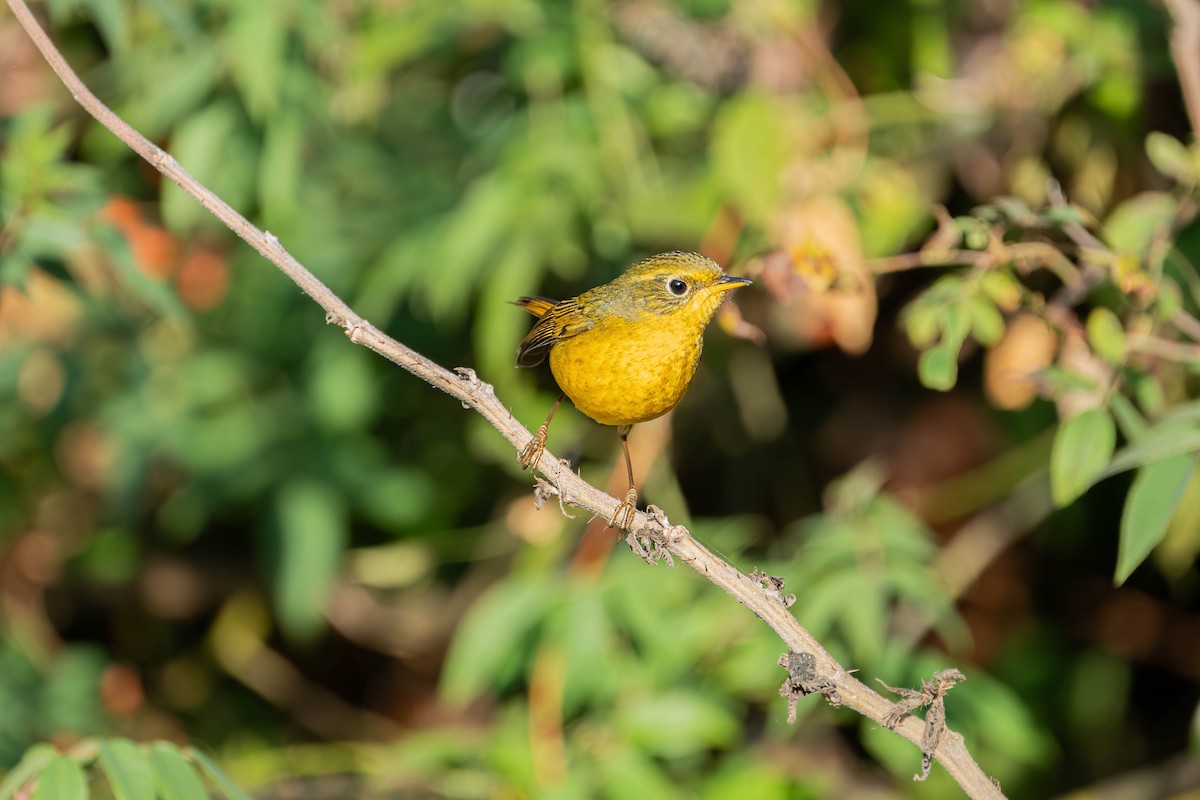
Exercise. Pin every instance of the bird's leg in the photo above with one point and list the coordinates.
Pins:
(623, 516)
(531, 454)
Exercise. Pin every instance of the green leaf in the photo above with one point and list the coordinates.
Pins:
(255, 38)
(1132, 424)
(343, 390)
(1184, 412)
(477, 234)
(68, 694)
(312, 537)
(1002, 288)
(677, 723)
(922, 322)
(938, 366)
(590, 644)
(629, 773)
(987, 323)
(1062, 380)
(824, 601)
(1082, 448)
(112, 19)
(958, 325)
(1171, 157)
(1133, 224)
(864, 619)
(887, 216)
(176, 778)
(62, 780)
(1163, 441)
(743, 774)
(1106, 335)
(216, 775)
(488, 647)
(15, 263)
(750, 147)
(280, 170)
(184, 79)
(128, 772)
(1169, 301)
(1153, 498)
(33, 762)
(1148, 392)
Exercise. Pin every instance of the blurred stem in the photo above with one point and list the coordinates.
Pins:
(547, 746)
(26, 624)
(975, 546)
(1164, 348)
(1185, 52)
(237, 640)
(1026, 257)
(984, 485)
(1187, 324)
(851, 124)
(980, 541)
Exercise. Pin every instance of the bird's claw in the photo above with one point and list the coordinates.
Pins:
(622, 518)
(531, 454)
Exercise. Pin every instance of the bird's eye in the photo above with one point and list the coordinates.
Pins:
(678, 287)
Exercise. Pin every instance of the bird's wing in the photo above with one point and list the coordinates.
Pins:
(556, 322)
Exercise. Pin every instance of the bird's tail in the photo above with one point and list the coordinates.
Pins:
(534, 305)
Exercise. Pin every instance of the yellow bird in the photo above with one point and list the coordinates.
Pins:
(626, 352)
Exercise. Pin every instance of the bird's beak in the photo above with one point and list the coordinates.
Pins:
(727, 282)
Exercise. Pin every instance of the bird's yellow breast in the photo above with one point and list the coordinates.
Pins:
(622, 371)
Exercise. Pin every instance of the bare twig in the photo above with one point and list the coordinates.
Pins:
(473, 393)
(1091, 256)
(1025, 257)
(1187, 324)
(239, 648)
(1168, 349)
(1185, 52)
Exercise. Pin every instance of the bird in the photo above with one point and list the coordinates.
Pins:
(626, 351)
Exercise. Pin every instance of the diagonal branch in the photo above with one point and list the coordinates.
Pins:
(766, 601)
(1185, 52)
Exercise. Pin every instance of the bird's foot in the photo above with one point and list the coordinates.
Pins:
(623, 517)
(531, 454)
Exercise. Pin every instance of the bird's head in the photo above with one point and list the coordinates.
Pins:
(676, 283)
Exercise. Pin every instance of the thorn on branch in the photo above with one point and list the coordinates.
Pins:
(773, 584)
(802, 680)
(932, 693)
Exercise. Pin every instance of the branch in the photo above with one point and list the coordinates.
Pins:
(1185, 52)
(766, 601)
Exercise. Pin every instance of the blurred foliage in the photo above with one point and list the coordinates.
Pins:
(220, 523)
(160, 770)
